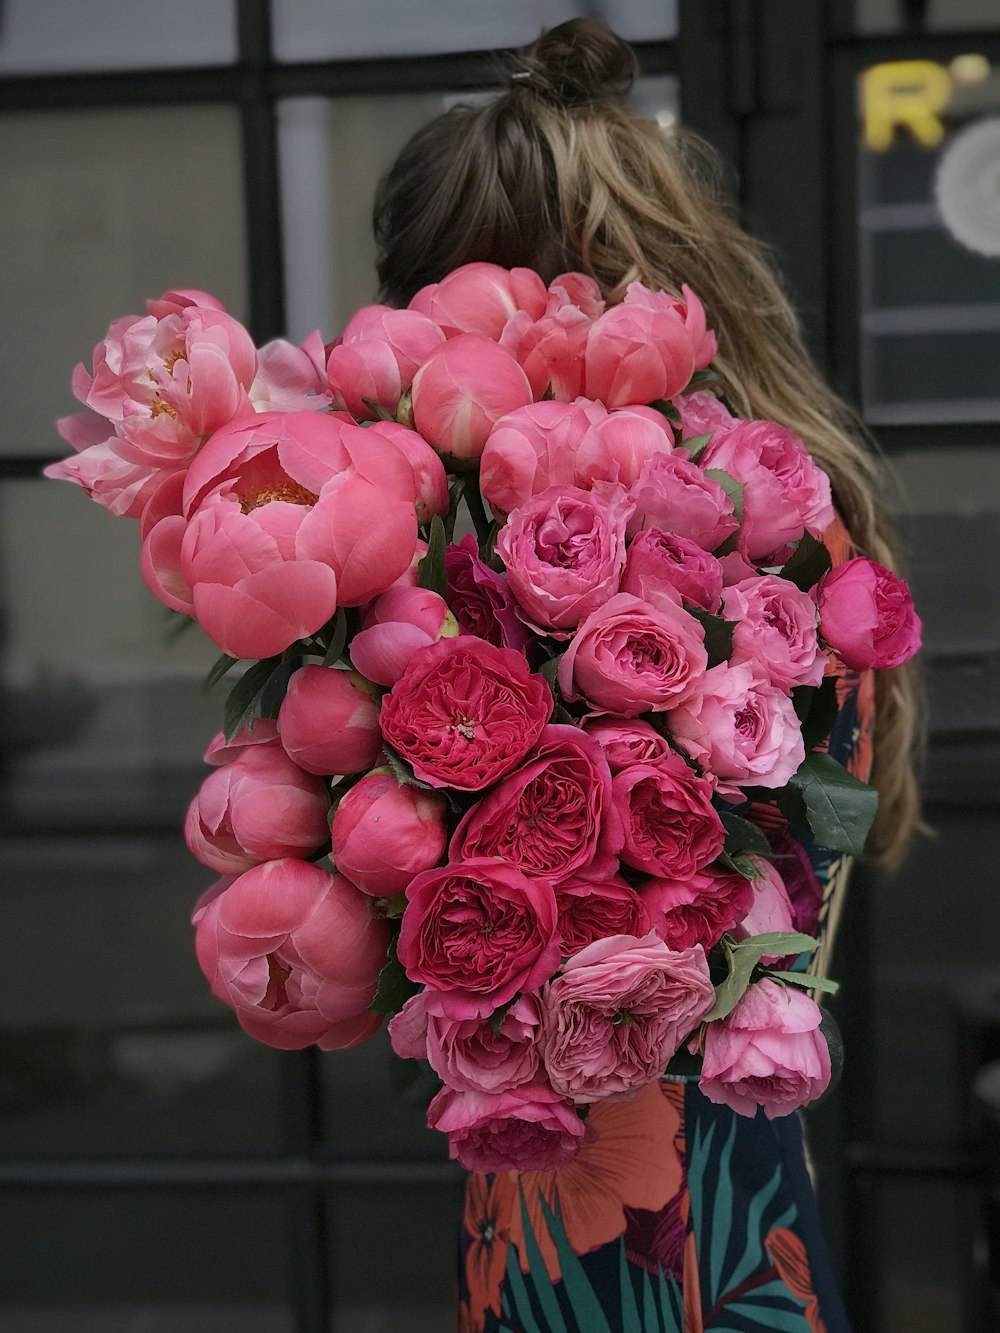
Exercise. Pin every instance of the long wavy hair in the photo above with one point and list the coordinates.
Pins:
(557, 173)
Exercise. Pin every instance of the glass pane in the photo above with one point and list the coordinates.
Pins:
(99, 210)
(53, 36)
(929, 236)
(307, 30)
(923, 1237)
(877, 16)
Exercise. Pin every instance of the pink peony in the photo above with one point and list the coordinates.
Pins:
(481, 298)
(618, 1012)
(664, 564)
(328, 721)
(296, 952)
(775, 631)
(701, 414)
(866, 615)
(636, 354)
(471, 1054)
(429, 477)
(592, 909)
(464, 713)
(688, 309)
(529, 1128)
(552, 817)
(395, 626)
(767, 1052)
(108, 468)
(698, 908)
(564, 552)
(674, 494)
(576, 289)
(385, 832)
(629, 657)
(478, 932)
(670, 825)
(290, 378)
(372, 365)
(627, 742)
(481, 600)
(550, 350)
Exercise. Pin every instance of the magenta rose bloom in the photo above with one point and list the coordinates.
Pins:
(697, 909)
(768, 1052)
(739, 729)
(530, 1128)
(663, 563)
(674, 494)
(480, 599)
(552, 817)
(617, 1013)
(465, 713)
(626, 742)
(629, 657)
(866, 615)
(564, 552)
(328, 721)
(593, 909)
(775, 631)
(385, 832)
(671, 827)
(472, 1055)
(478, 932)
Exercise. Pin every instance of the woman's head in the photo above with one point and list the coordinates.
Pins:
(557, 173)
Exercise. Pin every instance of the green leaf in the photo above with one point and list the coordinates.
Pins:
(380, 412)
(394, 986)
(732, 487)
(743, 836)
(695, 444)
(742, 957)
(477, 510)
(806, 980)
(778, 941)
(667, 408)
(338, 639)
(431, 572)
(402, 771)
(718, 634)
(840, 809)
(219, 668)
(808, 563)
(702, 377)
(244, 695)
(821, 709)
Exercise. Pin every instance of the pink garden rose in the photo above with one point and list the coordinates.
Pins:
(470, 1054)
(529, 1128)
(618, 1012)
(481, 600)
(664, 564)
(770, 909)
(481, 298)
(328, 721)
(674, 494)
(670, 825)
(552, 817)
(373, 363)
(775, 630)
(290, 378)
(767, 1052)
(701, 414)
(637, 354)
(477, 932)
(627, 741)
(629, 657)
(866, 615)
(688, 309)
(739, 729)
(296, 952)
(429, 476)
(257, 805)
(564, 551)
(698, 908)
(464, 713)
(395, 626)
(593, 909)
(385, 832)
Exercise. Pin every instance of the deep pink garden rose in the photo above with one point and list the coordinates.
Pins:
(618, 1012)
(688, 309)
(429, 476)
(784, 490)
(481, 600)
(636, 354)
(662, 563)
(328, 721)
(552, 817)
(257, 806)
(461, 391)
(775, 630)
(478, 932)
(550, 350)
(739, 729)
(394, 627)
(768, 1052)
(629, 657)
(529, 1128)
(866, 615)
(670, 825)
(674, 494)
(481, 298)
(291, 378)
(627, 742)
(373, 363)
(471, 1054)
(701, 414)
(593, 909)
(771, 908)
(296, 952)
(385, 832)
(697, 909)
(464, 713)
(564, 551)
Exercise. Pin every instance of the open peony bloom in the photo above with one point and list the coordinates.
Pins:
(481, 298)
(290, 378)
(296, 952)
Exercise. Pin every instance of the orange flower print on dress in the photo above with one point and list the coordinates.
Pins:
(788, 1254)
(488, 1208)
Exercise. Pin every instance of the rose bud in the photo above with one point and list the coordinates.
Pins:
(385, 832)
(398, 623)
(481, 298)
(529, 1128)
(866, 615)
(429, 476)
(328, 721)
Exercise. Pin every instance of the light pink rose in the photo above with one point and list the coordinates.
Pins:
(697, 909)
(866, 615)
(674, 494)
(636, 354)
(593, 909)
(464, 713)
(775, 630)
(395, 626)
(701, 414)
(429, 476)
(670, 825)
(771, 908)
(550, 350)
(618, 1012)
(481, 298)
(767, 1052)
(328, 721)
(576, 289)
(662, 563)
(471, 1055)
(630, 657)
(385, 832)
(784, 490)
(481, 600)
(529, 1128)
(552, 817)
(478, 932)
(290, 378)
(564, 552)
(688, 309)
(374, 362)
(461, 391)
(627, 742)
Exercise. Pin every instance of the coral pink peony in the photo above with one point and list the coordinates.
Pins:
(688, 309)
(296, 952)
(637, 354)
(429, 476)
(576, 289)
(550, 350)
(775, 630)
(866, 615)
(481, 298)
(670, 825)
(529, 1128)
(481, 600)
(674, 494)
(372, 365)
(697, 909)
(385, 832)
(395, 626)
(290, 378)
(593, 909)
(664, 564)
(328, 721)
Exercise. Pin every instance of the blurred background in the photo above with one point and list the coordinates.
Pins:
(158, 1171)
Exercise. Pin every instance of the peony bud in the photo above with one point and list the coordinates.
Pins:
(385, 832)
(398, 623)
(328, 722)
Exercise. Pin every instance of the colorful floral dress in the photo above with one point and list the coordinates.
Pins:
(679, 1215)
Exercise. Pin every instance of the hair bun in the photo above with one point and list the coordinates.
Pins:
(576, 64)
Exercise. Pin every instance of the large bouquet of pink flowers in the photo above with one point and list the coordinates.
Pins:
(493, 785)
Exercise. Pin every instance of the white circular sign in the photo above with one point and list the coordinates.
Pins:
(967, 187)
